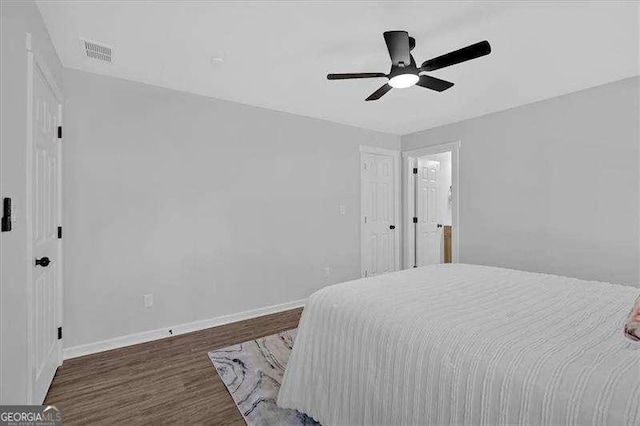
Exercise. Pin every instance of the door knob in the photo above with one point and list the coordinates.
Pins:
(44, 262)
(392, 227)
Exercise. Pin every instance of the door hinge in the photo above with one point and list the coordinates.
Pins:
(415, 220)
(415, 170)
(59, 232)
(59, 333)
(59, 132)
(6, 215)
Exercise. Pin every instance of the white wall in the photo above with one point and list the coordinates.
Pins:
(212, 206)
(551, 186)
(16, 19)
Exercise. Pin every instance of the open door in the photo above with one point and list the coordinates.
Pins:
(429, 235)
(44, 218)
(431, 205)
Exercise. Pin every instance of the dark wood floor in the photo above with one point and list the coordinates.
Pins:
(165, 381)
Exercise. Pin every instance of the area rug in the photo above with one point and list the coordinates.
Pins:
(252, 372)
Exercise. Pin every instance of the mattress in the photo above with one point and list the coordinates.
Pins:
(466, 344)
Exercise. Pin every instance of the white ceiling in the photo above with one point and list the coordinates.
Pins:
(277, 54)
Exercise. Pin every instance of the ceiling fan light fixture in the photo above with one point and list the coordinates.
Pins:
(405, 73)
(402, 81)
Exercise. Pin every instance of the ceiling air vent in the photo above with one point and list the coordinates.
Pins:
(98, 51)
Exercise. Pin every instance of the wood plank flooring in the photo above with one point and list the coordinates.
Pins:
(168, 381)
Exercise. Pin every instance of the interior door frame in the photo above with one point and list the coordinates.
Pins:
(408, 160)
(364, 149)
(35, 59)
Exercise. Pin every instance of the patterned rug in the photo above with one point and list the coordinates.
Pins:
(252, 372)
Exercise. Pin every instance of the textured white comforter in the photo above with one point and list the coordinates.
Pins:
(464, 344)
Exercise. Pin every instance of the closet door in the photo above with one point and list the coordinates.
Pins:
(44, 212)
(380, 245)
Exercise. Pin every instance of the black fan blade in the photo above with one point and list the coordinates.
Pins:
(379, 93)
(355, 75)
(433, 83)
(398, 45)
(465, 54)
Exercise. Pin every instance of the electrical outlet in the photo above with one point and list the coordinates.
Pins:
(327, 272)
(148, 300)
(343, 209)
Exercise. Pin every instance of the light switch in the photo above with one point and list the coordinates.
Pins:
(148, 300)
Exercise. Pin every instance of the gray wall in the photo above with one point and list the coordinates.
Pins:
(16, 19)
(551, 186)
(212, 206)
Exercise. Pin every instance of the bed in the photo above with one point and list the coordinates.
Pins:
(466, 344)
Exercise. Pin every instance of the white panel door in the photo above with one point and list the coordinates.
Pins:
(379, 214)
(429, 227)
(45, 219)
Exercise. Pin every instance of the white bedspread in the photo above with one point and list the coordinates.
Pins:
(464, 344)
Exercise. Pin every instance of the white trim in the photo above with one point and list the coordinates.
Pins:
(60, 254)
(376, 150)
(397, 201)
(433, 149)
(28, 222)
(454, 148)
(409, 211)
(161, 333)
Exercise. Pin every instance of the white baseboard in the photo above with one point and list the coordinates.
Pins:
(161, 333)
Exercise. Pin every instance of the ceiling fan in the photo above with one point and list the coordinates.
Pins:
(404, 72)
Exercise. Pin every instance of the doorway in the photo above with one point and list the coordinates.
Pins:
(431, 208)
(44, 232)
(380, 211)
